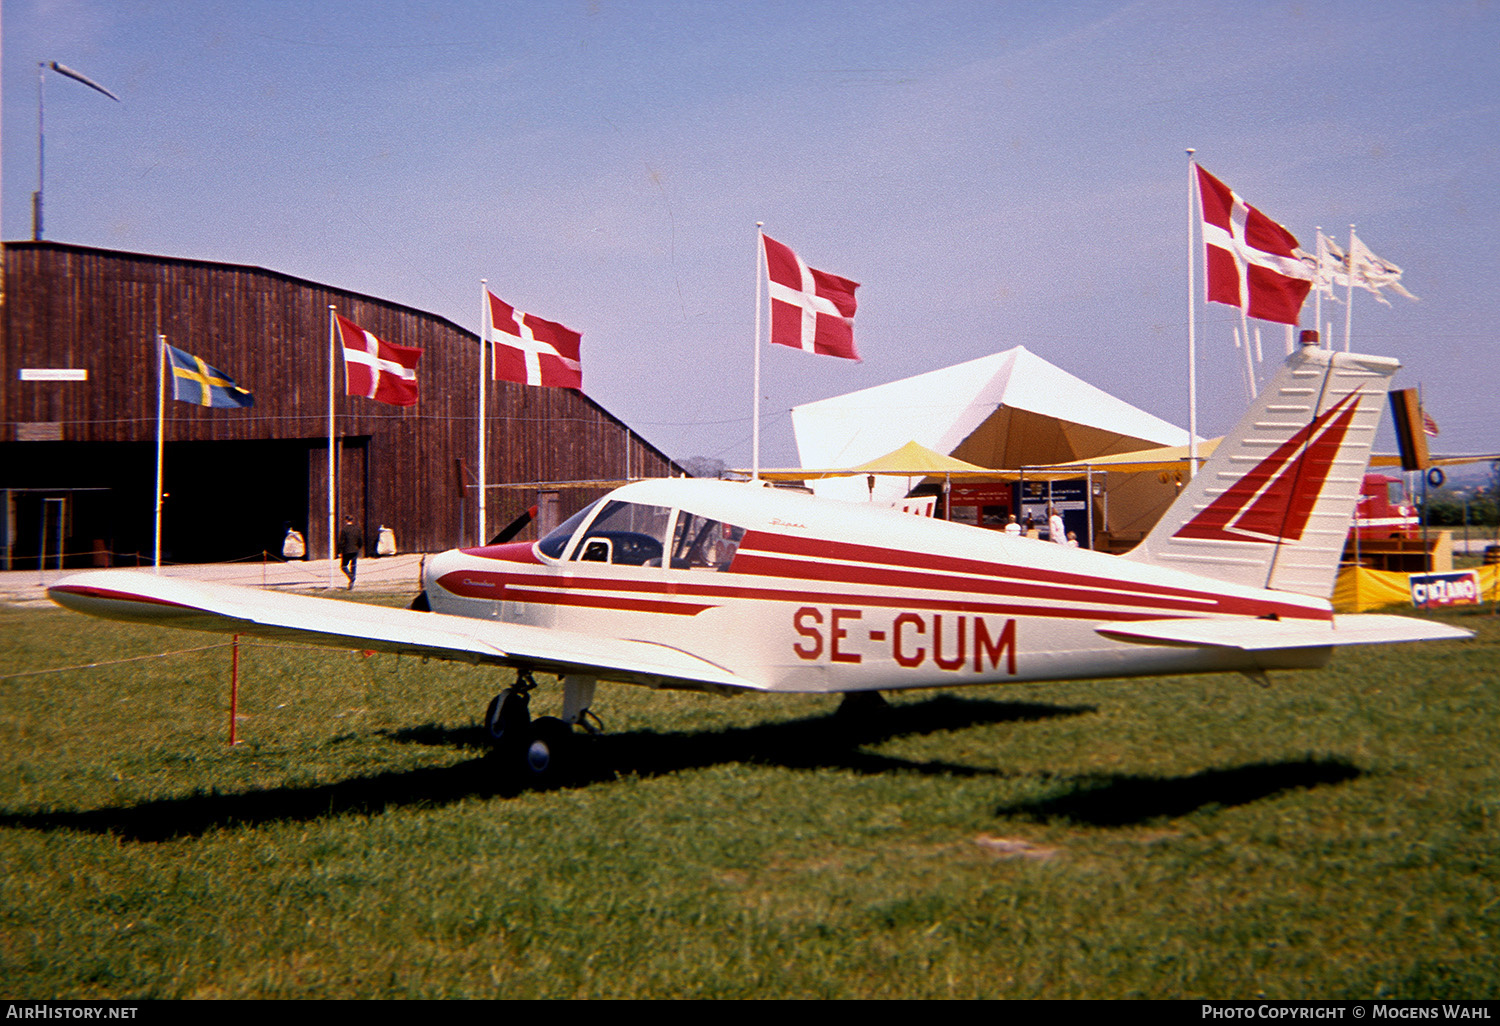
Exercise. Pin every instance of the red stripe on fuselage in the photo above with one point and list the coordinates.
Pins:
(770, 566)
(853, 552)
(573, 598)
(1061, 603)
(995, 578)
(510, 552)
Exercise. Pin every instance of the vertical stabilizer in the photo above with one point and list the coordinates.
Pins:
(1271, 508)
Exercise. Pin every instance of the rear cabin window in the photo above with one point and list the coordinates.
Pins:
(699, 543)
(627, 533)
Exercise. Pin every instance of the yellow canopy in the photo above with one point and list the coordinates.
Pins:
(914, 460)
(1171, 456)
(911, 460)
(1168, 457)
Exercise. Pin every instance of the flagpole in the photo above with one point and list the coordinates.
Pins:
(333, 558)
(760, 248)
(1192, 333)
(161, 416)
(1318, 285)
(1249, 366)
(484, 333)
(1349, 304)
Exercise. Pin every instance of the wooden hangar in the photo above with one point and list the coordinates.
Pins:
(78, 419)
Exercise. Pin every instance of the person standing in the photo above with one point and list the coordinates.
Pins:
(351, 540)
(1055, 529)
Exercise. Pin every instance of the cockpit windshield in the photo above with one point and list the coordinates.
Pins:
(625, 532)
(635, 534)
(557, 538)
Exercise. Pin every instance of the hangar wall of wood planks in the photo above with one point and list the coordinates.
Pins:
(77, 457)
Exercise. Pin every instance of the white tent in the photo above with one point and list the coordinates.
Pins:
(1010, 410)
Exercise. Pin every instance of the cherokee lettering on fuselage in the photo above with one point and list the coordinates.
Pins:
(951, 641)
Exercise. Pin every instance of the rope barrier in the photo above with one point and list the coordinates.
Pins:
(243, 643)
(141, 560)
(113, 662)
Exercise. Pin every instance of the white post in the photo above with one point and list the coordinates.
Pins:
(41, 156)
(333, 556)
(760, 249)
(161, 416)
(1249, 366)
(1349, 303)
(1317, 290)
(484, 334)
(1192, 336)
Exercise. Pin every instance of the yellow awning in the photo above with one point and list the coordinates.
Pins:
(1168, 457)
(911, 460)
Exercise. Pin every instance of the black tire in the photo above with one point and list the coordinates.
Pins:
(507, 721)
(549, 752)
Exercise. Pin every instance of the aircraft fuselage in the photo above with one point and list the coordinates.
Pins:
(814, 597)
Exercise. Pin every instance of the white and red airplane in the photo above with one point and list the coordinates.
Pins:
(731, 586)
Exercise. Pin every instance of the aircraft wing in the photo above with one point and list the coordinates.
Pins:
(1256, 635)
(231, 609)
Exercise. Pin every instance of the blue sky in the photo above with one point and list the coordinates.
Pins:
(994, 174)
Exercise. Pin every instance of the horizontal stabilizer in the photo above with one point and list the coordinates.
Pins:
(1255, 635)
(231, 609)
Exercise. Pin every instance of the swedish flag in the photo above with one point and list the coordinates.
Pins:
(194, 381)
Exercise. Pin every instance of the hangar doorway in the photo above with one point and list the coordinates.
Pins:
(92, 502)
(231, 501)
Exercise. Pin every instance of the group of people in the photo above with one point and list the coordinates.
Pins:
(1055, 529)
(351, 541)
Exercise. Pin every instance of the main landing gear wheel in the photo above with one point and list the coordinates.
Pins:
(549, 752)
(540, 752)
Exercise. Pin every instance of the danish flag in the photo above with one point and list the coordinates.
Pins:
(377, 369)
(1275, 500)
(811, 310)
(1250, 261)
(532, 351)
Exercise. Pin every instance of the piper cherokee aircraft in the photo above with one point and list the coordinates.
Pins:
(730, 586)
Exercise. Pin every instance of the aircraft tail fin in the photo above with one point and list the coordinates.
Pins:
(1272, 506)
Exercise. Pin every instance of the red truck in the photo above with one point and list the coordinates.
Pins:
(1384, 510)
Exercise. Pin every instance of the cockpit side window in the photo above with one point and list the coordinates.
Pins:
(626, 533)
(700, 543)
(557, 538)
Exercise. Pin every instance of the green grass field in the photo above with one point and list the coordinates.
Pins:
(1333, 836)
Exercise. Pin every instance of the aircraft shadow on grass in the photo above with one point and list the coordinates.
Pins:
(824, 741)
(1126, 800)
(827, 741)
